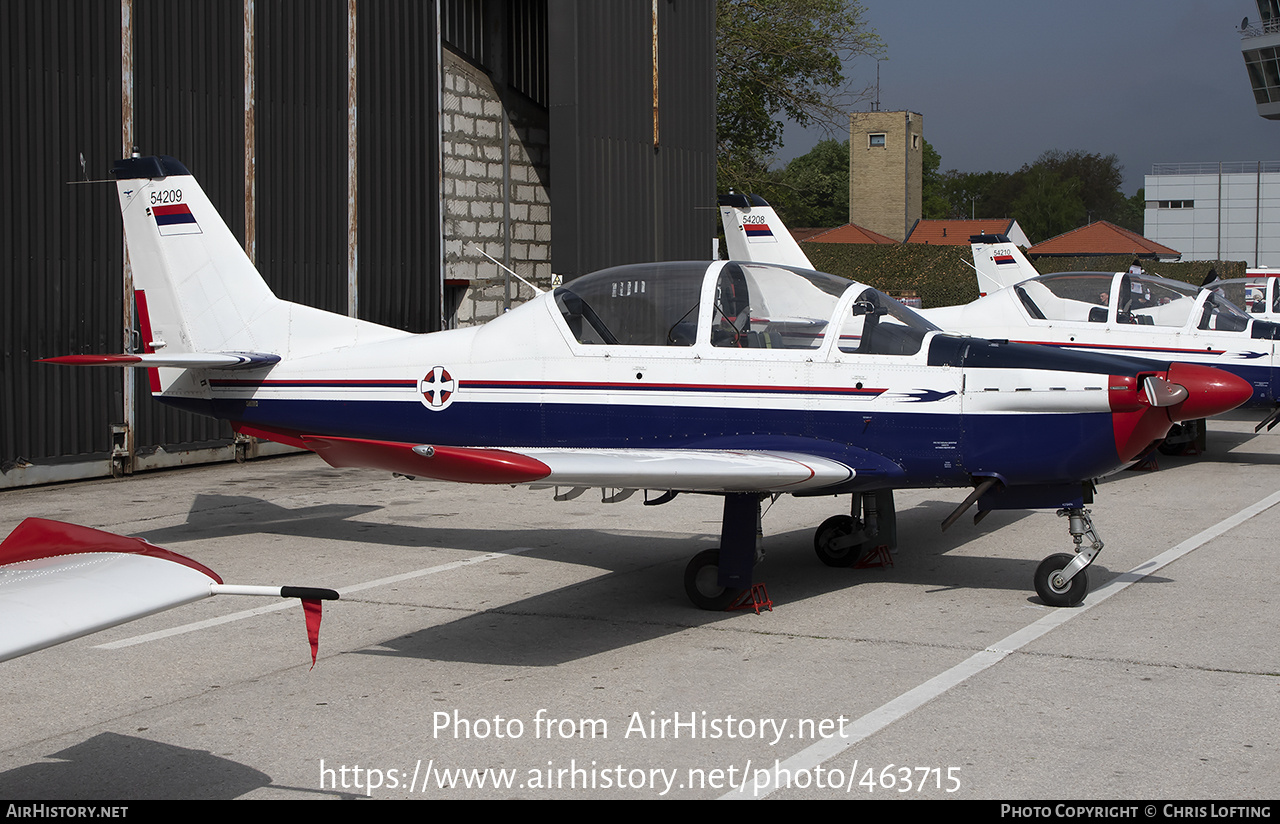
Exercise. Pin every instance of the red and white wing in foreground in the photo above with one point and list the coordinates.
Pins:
(60, 581)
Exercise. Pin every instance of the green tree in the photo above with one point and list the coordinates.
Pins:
(1133, 214)
(1097, 180)
(979, 194)
(813, 189)
(780, 59)
(934, 205)
(1048, 204)
(1059, 192)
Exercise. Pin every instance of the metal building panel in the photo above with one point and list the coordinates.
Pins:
(189, 103)
(622, 196)
(400, 263)
(60, 281)
(301, 141)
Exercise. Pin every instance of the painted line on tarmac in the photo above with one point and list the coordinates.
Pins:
(810, 757)
(292, 602)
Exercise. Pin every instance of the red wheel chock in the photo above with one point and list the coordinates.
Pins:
(754, 598)
(878, 557)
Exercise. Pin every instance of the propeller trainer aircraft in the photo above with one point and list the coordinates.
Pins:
(735, 379)
(1120, 313)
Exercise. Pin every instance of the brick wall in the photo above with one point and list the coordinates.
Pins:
(479, 204)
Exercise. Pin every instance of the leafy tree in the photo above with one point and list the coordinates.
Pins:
(979, 194)
(934, 204)
(1048, 204)
(775, 59)
(1098, 180)
(813, 189)
(1133, 213)
(1059, 192)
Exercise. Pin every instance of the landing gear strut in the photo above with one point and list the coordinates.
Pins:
(716, 578)
(842, 540)
(1061, 579)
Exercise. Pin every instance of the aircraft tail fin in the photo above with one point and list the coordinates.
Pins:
(197, 290)
(999, 263)
(201, 302)
(753, 231)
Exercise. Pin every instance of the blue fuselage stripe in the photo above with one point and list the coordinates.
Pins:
(921, 449)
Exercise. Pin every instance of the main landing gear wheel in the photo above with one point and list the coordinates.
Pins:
(1053, 590)
(825, 537)
(702, 585)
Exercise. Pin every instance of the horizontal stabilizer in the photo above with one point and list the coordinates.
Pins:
(180, 360)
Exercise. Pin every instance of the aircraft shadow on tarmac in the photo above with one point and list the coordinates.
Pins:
(113, 766)
(616, 610)
(214, 516)
(639, 595)
(1225, 447)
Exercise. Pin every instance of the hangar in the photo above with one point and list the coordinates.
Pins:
(367, 153)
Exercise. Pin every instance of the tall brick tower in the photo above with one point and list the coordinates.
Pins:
(886, 171)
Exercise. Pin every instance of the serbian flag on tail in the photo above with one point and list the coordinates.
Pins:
(1003, 258)
(757, 232)
(175, 219)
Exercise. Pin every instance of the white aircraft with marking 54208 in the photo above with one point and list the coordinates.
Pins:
(735, 379)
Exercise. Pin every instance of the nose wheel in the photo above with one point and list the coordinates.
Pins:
(1054, 588)
(1062, 580)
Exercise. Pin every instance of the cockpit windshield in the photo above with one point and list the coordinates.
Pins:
(770, 307)
(646, 304)
(1099, 297)
(752, 306)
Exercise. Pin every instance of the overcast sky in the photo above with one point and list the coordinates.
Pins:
(1001, 81)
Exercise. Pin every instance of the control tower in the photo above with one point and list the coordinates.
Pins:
(1260, 43)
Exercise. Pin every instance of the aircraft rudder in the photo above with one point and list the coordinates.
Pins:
(200, 291)
(999, 263)
(753, 231)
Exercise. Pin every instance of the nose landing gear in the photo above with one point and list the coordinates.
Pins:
(1062, 580)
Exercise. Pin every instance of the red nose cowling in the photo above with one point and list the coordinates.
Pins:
(1138, 424)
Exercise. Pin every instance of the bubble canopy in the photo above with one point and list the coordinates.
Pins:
(733, 304)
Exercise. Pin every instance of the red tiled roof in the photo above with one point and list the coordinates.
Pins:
(848, 233)
(1102, 238)
(957, 232)
(801, 235)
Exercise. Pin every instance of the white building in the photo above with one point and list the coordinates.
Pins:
(1216, 211)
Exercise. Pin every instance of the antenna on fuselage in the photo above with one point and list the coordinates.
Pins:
(508, 269)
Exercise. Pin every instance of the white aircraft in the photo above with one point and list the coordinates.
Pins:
(733, 379)
(1258, 292)
(60, 581)
(1114, 313)
(1120, 313)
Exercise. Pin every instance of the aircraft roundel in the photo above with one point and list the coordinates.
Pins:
(438, 388)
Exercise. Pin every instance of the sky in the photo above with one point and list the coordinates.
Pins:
(999, 82)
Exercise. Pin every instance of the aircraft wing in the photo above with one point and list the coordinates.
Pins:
(701, 470)
(60, 581)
